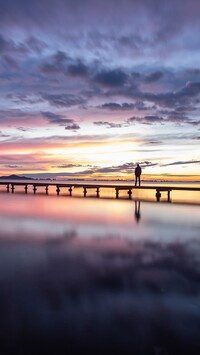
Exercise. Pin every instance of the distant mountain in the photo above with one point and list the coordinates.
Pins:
(15, 177)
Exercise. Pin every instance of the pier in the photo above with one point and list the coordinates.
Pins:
(10, 186)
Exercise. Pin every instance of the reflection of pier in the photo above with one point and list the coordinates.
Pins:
(11, 186)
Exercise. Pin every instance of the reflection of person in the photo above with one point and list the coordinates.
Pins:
(138, 172)
(137, 211)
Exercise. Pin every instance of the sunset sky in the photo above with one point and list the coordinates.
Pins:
(88, 88)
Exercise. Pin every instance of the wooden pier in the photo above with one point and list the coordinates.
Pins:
(11, 185)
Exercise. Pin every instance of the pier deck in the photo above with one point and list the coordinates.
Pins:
(11, 185)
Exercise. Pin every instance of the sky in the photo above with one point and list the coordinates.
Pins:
(90, 88)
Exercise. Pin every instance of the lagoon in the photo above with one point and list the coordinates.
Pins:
(98, 275)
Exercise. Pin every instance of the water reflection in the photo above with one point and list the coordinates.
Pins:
(91, 275)
(100, 297)
(137, 211)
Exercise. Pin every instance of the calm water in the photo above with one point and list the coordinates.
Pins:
(98, 275)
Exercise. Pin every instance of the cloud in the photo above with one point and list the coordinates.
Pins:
(12, 166)
(126, 168)
(30, 161)
(185, 98)
(173, 116)
(3, 44)
(78, 69)
(140, 106)
(61, 63)
(57, 63)
(119, 63)
(4, 135)
(15, 116)
(9, 47)
(10, 62)
(183, 162)
(21, 98)
(193, 122)
(153, 77)
(180, 97)
(87, 138)
(114, 106)
(108, 124)
(126, 27)
(36, 45)
(73, 127)
(191, 89)
(63, 100)
(154, 142)
(111, 78)
(134, 40)
(67, 166)
(56, 118)
(23, 129)
(151, 119)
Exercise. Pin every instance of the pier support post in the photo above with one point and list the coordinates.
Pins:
(85, 191)
(129, 194)
(57, 190)
(34, 189)
(46, 188)
(70, 191)
(98, 192)
(117, 193)
(7, 187)
(12, 188)
(26, 189)
(158, 195)
(168, 196)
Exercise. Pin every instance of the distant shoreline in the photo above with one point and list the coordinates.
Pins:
(18, 177)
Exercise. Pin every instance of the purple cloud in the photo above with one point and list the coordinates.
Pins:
(56, 118)
(186, 162)
(108, 124)
(111, 78)
(114, 106)
(146, 120)
(78, 69)
(153, 77)
(72, 127)
(63, 100)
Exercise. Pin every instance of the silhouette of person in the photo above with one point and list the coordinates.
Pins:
(138, 172)
(137, 211)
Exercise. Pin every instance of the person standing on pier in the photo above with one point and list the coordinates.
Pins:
(138, 172)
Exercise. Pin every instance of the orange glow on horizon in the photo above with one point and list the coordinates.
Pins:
(97, 159)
